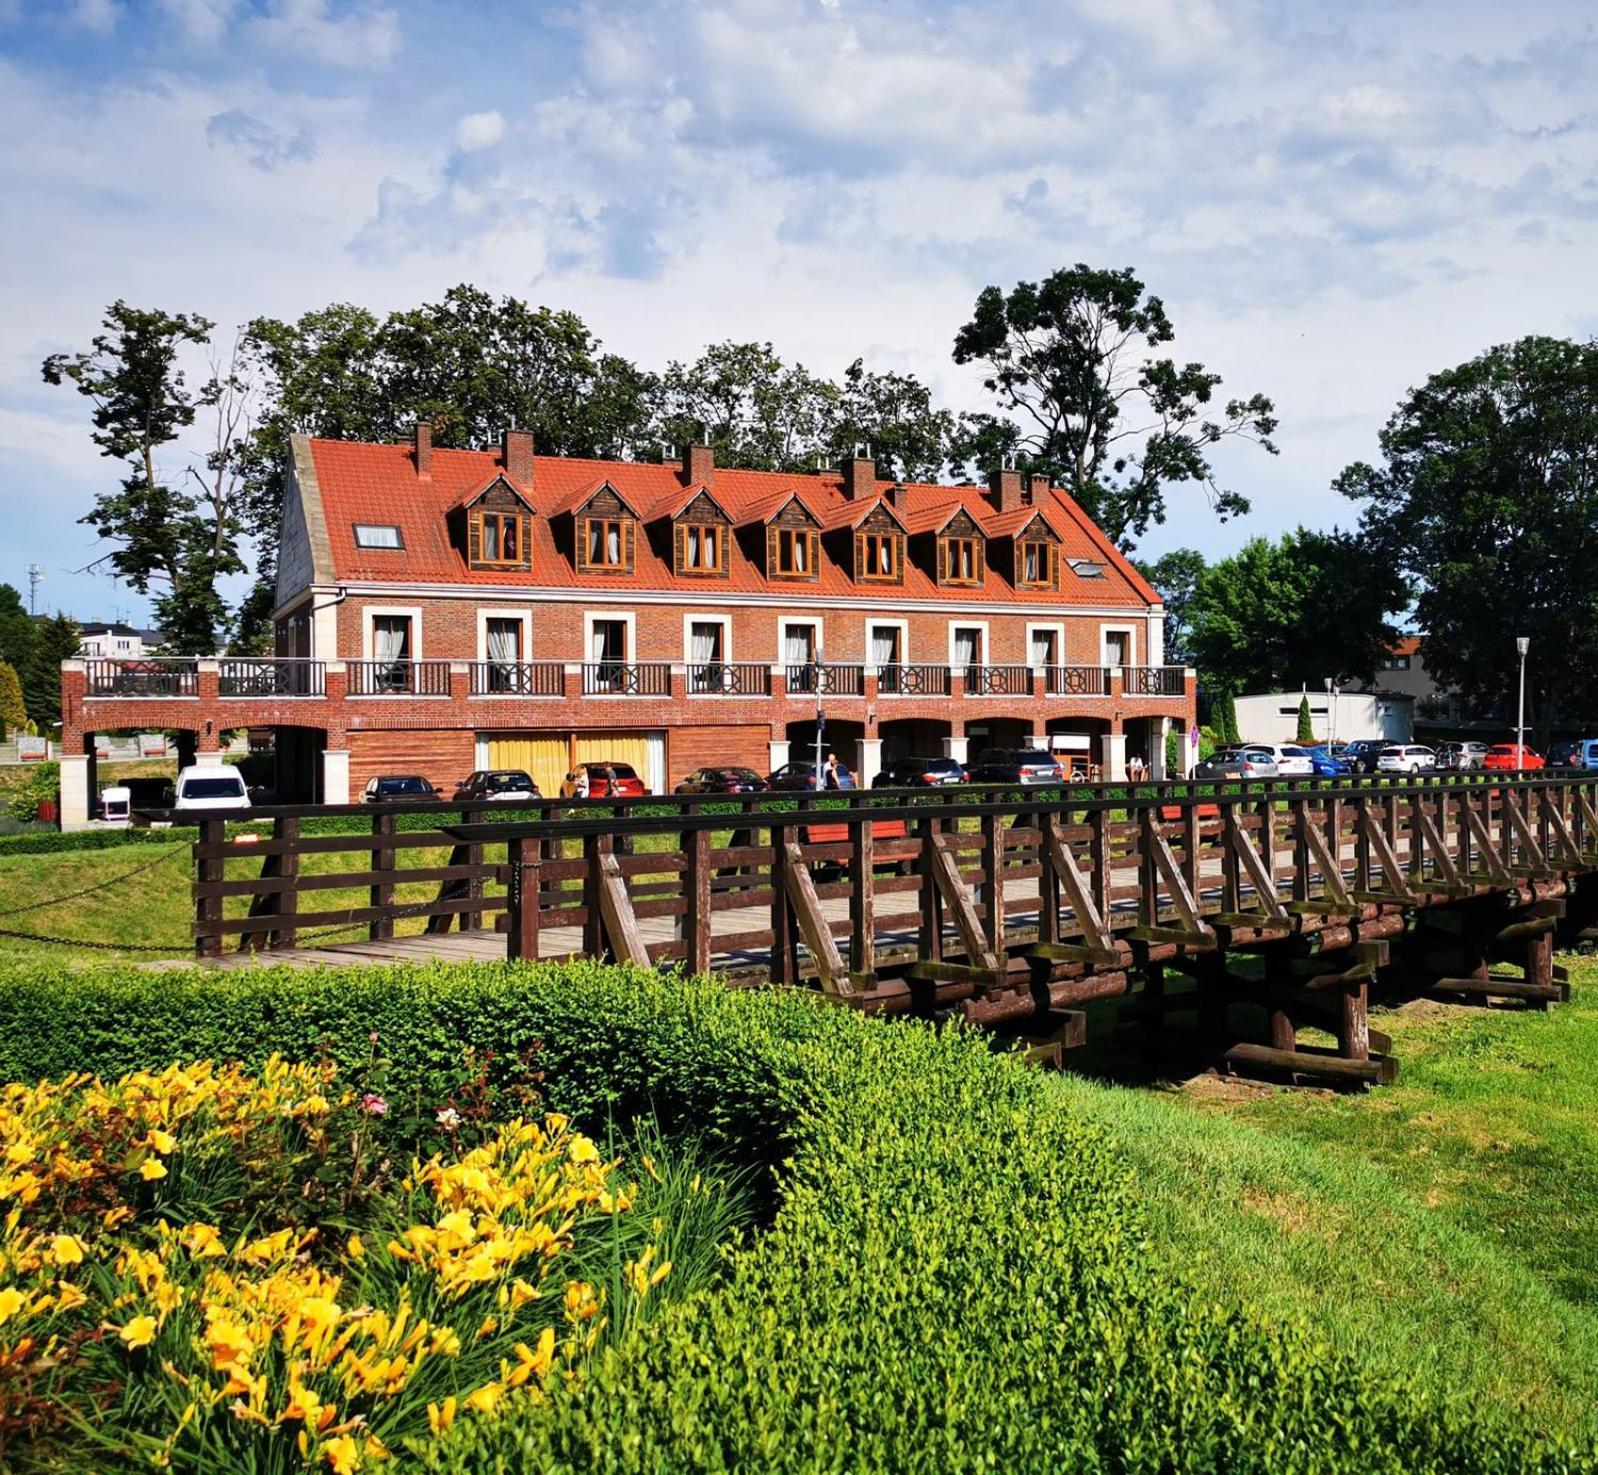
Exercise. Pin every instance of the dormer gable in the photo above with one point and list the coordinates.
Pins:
(877, 545)
(604, 530)
(792, 537)
(961, 551)
(1035, 549)
(493, 527)
(701, 536)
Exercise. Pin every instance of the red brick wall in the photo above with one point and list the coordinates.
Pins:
(442, 757)
(688, 748)
(449, 630)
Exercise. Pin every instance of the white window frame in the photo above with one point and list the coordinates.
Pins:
(485, 613)
(370, 614)
(627, 617)
(902, 626)
(1105, 631)
(1058, 629)
(985, 651)
(816, 622)
(691, 619)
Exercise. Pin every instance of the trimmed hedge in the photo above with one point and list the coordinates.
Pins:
(956, 1277)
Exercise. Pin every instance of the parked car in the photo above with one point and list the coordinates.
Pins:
(1406, 758)
(606, 781)
(1295, 762)
(1587, 753)
(1361, 754)
(1328, 762)
(504, 785)
(209, 787)
(1564, 755)
(1238, 762)
(1460, 756)
(1026, 766)
(1509, 758)
(723, 781)
(394, 788)
(919, 773)
(803, 774)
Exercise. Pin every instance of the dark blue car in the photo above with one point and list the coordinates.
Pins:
(1327, 764)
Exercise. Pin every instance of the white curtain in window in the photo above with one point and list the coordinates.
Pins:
(504, 641)
(491, 538)
(596, 541)
(705, 643)
(391, 637)
(691, 553)
(967, 646)
(884, 645)
(1042, 648)
(797, 645)
(613, 543)
(799, 542)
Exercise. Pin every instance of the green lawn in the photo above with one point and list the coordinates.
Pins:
(1445, 1224)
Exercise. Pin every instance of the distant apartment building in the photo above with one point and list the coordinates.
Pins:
(114, 639)
(445, 610)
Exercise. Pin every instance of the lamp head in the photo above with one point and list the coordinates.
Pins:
(1523, 644)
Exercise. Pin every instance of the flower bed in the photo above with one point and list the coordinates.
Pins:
(209, 1269)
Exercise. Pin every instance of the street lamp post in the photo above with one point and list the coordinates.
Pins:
(1522, 644)
(1331, 696)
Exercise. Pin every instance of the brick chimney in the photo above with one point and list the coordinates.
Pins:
(424, 448)
(516, 453)
(1004, 488)
(859, 477)
(698, 465)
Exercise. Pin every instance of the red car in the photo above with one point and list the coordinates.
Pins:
(607, 781)
(1507, 758)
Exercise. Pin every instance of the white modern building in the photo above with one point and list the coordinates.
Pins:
(1272, 716)
(115, 640)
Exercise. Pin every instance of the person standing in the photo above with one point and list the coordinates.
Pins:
(829, 777)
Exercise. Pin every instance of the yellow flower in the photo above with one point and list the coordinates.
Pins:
(581, 1303)
(151, 1169)
(10, 1303)
(439, 1418)
(66, 1249)
(162, 1142)
(139, 1332)
(343, 1454)
(354, 1248)
(202, 1242)
(70, 1297)
(483, 1400)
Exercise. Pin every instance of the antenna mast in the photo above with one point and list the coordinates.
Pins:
(35, 578)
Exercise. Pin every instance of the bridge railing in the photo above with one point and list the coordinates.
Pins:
(706, 879)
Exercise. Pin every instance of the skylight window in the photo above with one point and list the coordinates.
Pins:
(377, 535)
(1085, 568)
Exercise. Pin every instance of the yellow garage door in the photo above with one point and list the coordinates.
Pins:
(614, 747)
(546, 756)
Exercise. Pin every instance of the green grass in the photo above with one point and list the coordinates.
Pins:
(1443, 1226)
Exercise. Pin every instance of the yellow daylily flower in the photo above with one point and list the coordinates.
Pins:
(151, 1169)
(66, 1249)
(139, 1332)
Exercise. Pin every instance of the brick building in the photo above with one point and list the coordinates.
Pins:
(440, 611)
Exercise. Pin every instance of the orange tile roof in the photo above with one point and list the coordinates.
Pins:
(362, 483)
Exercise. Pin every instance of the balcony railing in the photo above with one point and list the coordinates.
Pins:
(913, 681)
(627, 679)
(1153, 681)
(716, 678)
(148, 676)
(518, 679)
(1078, 681)
(288, 677)
(398, 678)
(827, 680)
(998, 681)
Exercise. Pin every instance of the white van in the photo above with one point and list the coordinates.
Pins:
(211, 786)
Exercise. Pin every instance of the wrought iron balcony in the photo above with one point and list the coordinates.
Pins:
(289, 676)
(518, 679)
(717, 678)
(1078, 681)
(144, 676)
(913, 681)
(627, 679)
(826, 680)
(398, 678)
(1153, 681)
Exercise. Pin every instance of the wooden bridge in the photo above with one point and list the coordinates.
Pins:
(1011, 909)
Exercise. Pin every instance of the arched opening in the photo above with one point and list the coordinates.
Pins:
(997, 732)
(1079, 743)
(296, 759)
(913, 737)
(840, 737)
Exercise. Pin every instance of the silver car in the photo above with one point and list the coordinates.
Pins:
(1246, 761)
(1406, 758)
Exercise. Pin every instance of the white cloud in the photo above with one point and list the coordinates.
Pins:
(479, 131)
(99, 16)
(202, 22)
(363, 37)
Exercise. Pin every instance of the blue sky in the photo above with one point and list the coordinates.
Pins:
(1334, 200)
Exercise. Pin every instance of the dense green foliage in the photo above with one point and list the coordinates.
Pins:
(1306, 724)
(957, 1275)
(35, 648)
(42, 781)
(1175, 577)
(1278, 615)
(1071, 361)
(1488, 498)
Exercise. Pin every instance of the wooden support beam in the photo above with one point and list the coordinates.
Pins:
(696, 912)
(1165, 868)
(1379, 846)
(1371, 1071)
(1315, 851)
(813, 926)
(616, 911)
(521, 943)
(1063, 864)
(1564, 843)
(957, 900)
(381, 893)
(862, 904)
(1487, 853)
(1535, 864)
(992, 884)
(1258, 873)
(1502, 988)
(1424, 835)
(931, 939)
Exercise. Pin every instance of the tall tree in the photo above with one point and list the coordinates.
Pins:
(1488, 499)
(1175, 577)
(13, 710)
(56, 639)
(894, 416)
(1278, 615)
(1084, 397)
(176, 532)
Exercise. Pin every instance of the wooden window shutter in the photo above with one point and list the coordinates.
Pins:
(859, 554)
(474, 538)
(627, 530)
(771, 552)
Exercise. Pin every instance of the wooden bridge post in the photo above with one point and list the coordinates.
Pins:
(1231, 873)
(931, 942)
(991, 894)
(521, 945)
(593, 922)
(1192, 842)
(381, 893)
(1278, 978)
(1353, 1023)
(1048, 879)
(696, 899)
(286, 830)
(1362, 844)
(784, 938)
(1099, 858)
(862, 901)
(209, 869)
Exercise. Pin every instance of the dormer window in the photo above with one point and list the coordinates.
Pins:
(1036, 564)
(605, 530)
(501, 539)
(796, 553)
(878, 557)
(960, 561)
(701, 549)
(603, 539)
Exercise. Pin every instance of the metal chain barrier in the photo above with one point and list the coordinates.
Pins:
(39, 906)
